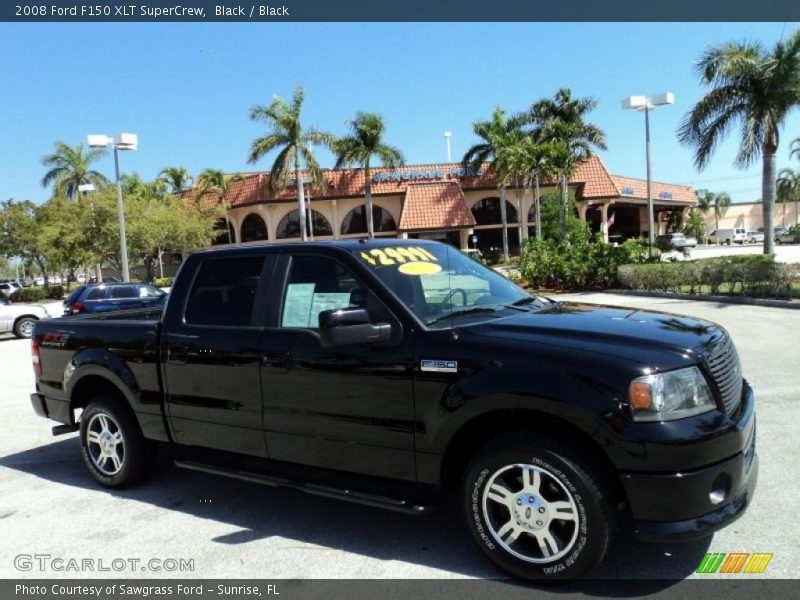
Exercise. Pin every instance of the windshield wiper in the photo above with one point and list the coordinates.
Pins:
(464, 311)
(525, 300)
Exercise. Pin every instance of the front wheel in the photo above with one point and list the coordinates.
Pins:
(113, 448)
(537, 508)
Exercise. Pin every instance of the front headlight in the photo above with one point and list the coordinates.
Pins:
(670, 395)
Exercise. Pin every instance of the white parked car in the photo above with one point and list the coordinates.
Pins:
(19, 318)
(39, 281)
(737, 235)
(755, 237)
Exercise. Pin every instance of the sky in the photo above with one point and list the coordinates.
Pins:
(186, 89)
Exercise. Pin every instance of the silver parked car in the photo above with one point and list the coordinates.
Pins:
(19, 318)
(755, 237)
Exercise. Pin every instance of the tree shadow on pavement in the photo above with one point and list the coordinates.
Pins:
(439, 540)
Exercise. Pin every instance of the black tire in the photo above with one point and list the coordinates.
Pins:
(137, 453)
(563, 471)
(23, 327)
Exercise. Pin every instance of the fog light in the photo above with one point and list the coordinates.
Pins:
(720, 488)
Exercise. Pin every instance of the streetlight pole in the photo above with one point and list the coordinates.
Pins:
(123, 242)
(651, 238)
(123, 141)
(646, 104)
(447, 136)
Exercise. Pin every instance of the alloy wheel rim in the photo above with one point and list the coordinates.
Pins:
(26, 328)
(530, 513)
(105, 444)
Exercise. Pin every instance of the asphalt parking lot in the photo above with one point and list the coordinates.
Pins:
(50, 505)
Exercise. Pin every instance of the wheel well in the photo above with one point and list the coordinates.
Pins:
(90, 387)
(483, 428)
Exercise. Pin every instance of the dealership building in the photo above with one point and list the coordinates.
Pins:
(447, 202)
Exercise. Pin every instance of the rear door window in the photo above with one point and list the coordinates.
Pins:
(224, 292)
(123, 291)
(96, 293)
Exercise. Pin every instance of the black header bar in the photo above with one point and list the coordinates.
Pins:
(398, 11)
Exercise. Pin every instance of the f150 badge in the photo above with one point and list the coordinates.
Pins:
(439, 366)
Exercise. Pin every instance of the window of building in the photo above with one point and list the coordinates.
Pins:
(254, 228)
(487, 212)
(317, 225)
(224, 292)
(355, 221)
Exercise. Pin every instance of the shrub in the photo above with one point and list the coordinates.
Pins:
(580, 262)
(163, 281)
(55, 292)
(751, 275)
(31, 294)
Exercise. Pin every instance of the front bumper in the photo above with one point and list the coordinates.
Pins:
(695, 503)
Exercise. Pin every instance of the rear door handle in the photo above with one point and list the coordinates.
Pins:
(178, 353)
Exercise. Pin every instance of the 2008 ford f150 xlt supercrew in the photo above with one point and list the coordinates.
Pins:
(391, 372)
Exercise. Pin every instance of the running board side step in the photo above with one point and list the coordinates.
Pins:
(309, 488)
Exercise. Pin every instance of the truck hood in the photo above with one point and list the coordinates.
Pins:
(639, 335)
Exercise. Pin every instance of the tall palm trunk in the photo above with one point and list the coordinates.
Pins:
(537, 202)
(301, 199)
(504, 219)
(368, 199)
(562, 214)
(768, 195)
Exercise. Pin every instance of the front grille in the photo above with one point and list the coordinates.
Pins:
(723, 363)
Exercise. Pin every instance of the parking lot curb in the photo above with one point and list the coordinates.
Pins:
(767, 302)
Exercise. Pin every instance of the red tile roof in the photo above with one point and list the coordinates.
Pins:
(637, 188)
(591, 177)
(435, 206)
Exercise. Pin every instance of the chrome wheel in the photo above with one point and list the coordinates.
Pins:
(25, 328)
(105, 444)
(530, 513)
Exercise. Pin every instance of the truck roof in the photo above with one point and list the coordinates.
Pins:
(348, 244)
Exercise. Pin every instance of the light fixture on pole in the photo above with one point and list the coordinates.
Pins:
(123, 141)
(447, 136)
(646, 104)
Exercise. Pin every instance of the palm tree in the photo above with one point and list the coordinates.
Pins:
(70, 168)
(286, 133)
(755, 87)
(719, 202)
(494, 134)
(214, 181)
(365, 141)
(788, 185)
(795, 149)
(560, 121)
(178, 178)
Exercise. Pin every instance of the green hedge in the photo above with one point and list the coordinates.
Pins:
(31, 294)
(749, 275)
(163, 281)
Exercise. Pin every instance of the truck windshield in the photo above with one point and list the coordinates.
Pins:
(437, 282)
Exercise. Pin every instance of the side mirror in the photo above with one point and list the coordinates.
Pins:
(350, 326)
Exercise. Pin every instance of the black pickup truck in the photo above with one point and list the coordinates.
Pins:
(393, 372)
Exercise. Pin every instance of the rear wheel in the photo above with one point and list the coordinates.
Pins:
(112, 446)
(537, 508)
(23, 327)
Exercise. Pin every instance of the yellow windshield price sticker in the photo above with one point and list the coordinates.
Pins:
(419, 268)
(394, 255)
